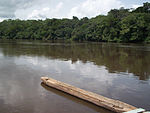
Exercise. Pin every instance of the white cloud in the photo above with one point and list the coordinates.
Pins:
(9, 7)
(45, 12)
(41, 9)
(92, 8)
(135, 6)
(1, 19)
(38, 14)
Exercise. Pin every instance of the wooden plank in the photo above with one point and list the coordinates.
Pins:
(113, 105)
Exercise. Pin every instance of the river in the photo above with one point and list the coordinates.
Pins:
(117, 71)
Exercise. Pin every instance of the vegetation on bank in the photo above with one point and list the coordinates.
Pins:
(120, 25)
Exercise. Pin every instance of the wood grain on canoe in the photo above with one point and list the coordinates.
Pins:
(113, 105)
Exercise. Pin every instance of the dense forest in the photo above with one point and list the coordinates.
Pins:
(119, 25)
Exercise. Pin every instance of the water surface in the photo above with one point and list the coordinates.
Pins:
(118, 71)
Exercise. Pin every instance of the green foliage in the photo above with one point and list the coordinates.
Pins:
(120, 25)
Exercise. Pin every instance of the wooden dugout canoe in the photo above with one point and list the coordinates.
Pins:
(113, 105)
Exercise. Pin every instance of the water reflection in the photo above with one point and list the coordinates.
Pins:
(113, 70)
(117, 58)
(20, 90)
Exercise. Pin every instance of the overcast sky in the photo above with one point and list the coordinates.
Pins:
(41, 9)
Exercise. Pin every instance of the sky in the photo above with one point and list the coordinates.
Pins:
(42, 9)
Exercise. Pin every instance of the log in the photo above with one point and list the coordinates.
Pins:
(110, 104)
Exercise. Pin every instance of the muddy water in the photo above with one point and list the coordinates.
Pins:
(118, 71)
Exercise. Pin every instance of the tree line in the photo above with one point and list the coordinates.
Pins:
(119, 25)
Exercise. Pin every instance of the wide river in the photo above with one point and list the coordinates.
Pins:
(117, 71)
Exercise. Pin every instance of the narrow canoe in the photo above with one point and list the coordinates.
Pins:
(113, 105)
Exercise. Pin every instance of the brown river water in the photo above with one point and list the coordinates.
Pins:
(117, 71)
